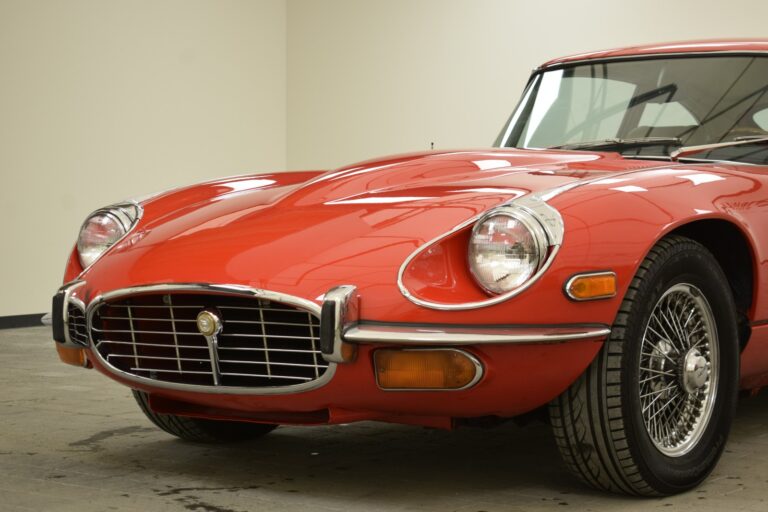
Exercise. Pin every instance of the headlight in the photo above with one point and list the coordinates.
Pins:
(507, 247)
(103, 229)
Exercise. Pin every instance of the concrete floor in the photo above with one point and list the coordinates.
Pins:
(70, 439)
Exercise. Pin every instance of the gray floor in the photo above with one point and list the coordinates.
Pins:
(70, 439)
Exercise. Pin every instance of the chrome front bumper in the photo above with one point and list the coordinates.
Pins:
(341, 329)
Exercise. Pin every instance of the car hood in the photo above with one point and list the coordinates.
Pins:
(354, 225)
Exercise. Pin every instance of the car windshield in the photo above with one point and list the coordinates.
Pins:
(647, 107)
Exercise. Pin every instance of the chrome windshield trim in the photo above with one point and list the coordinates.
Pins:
(479, 335)
(221, 289)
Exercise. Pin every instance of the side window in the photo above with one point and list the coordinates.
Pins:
(576, 109)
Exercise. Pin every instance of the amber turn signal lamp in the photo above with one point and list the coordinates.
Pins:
(598, 285)
(73, 356)
(426, 369)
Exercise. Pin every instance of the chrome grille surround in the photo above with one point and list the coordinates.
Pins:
(269, 344)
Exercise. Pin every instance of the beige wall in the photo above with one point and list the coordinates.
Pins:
(103, 100)
(368, 78)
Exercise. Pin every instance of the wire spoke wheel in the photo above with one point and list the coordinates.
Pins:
(651, 414)
(678, 370)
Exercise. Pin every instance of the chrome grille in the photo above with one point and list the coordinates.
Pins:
(76, 325)
(262, 343)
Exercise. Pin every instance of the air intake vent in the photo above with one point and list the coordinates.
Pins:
(76, 325)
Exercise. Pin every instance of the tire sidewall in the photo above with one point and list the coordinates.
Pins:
(692, 264)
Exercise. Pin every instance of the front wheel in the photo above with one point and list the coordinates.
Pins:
(651, 415)
(198, 430)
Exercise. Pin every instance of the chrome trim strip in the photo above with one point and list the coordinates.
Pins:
(479, 372)
(567, 287)
(117, 211)
(213, 351)
(340, 308)
(533, 205)
(481, 335)
(68, 289)
(221, 289)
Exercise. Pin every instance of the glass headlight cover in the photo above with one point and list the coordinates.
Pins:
(506, 249)
(104, 228)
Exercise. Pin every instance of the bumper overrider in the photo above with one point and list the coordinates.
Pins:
(194, 354)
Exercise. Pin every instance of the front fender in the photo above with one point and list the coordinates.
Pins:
(613, 223)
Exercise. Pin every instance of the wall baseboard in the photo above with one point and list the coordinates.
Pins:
(15, 321)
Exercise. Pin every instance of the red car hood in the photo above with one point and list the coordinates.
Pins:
(355, 225)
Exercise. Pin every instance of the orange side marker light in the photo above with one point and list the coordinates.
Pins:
(592, 286)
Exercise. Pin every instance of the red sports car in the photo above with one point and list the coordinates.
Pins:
(605, 263)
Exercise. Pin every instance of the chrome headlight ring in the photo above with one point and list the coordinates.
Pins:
(104, 228)
(537, 215)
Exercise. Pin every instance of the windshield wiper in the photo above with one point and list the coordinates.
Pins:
(692, 150)
(621, 143)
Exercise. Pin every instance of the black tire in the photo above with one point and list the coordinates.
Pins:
(201, 430)
(598, 422)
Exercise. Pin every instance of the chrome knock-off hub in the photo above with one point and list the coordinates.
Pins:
(694, 374)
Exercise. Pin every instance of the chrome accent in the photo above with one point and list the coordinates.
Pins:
(69, 300)
(534, 205)
(340, 309)
(225, 290)
(479, 371)
(569, 282)
(692, 150)
(549, 217)
(678, 370)
(173, 328)
(213, 352)
(211, 333)
(120, 214)
(47, 319)
(480, 335)
(695, 371)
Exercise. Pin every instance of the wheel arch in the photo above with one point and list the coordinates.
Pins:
(735, 254)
